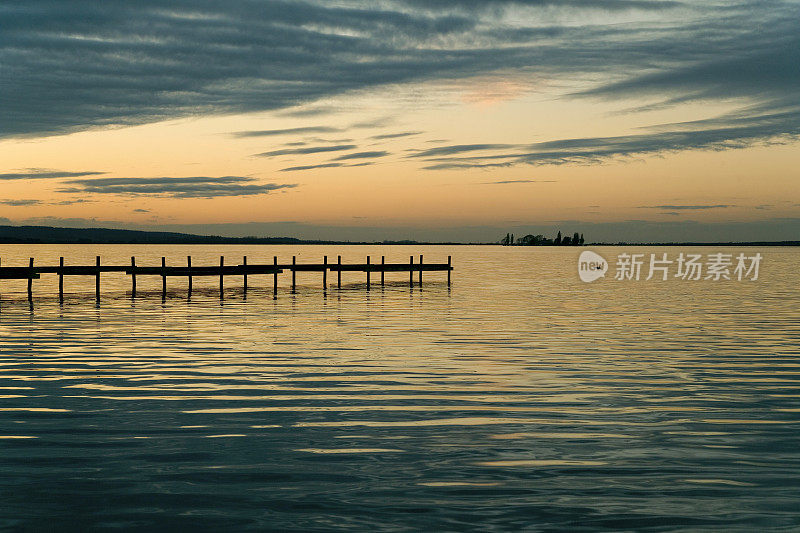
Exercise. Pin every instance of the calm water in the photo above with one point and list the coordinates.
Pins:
(520, 399)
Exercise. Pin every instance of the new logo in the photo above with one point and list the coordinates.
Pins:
(591, 266)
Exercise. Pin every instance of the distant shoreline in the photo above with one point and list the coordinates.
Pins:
(746, 243)
(56, 235)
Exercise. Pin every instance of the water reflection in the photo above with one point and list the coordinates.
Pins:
(520, 399)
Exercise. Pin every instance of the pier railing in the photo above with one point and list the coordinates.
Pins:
(32, 272)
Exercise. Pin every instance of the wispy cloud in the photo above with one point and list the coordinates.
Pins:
(308, 150)
(685, 207)
(460, 149)
(72, 202)
(721, 133)
(188, 187)
(46, 174)
(325, 165)
(20, 203)
(385, 136)
(315, 111)
(362, 155)
(311, 167)
(508, 182)
(604, 5)
(286, 131)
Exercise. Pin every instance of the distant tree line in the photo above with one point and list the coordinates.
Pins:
(541, 240)
(53, 235)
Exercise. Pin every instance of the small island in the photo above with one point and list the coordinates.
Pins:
(540, 240)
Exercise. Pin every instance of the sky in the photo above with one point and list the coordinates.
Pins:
(457, 120)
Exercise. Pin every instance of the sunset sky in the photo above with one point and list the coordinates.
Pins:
(391, 119)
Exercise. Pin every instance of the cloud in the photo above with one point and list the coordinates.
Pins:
(86, 65)
(324, 165)
(44, 174)
(361, 155)
(20, 203)
(459, 149)
(379, 122)
(311, 167)
(72, 202)
(765, 66)
(396, 135)
(309, 150)
(604, 5)
(286, 131)
(91, 65)
(189, 187)
(685, 207)
(308, 140)
(506, 182)
(734, 131)
(309, 112)
(325, 129)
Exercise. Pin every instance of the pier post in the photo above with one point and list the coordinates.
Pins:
(294, 275)
(339, 273)
(368, 272)
(411, 271)
(420, 270)
(449, 262)
(30, 281)
(61, 280)
(221, 276)
(163, 278)
(97, 280)
(189, 266)
(275, 278)
(325, 274)
(133, 277)
(244, 263)
(383, 262)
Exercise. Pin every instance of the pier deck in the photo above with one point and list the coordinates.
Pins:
(244, 269)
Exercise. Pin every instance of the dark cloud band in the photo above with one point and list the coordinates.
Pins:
(307, 150)
(39, 174)
(188, 187)
(362, 155)
(19, 203)
(685, 207)
(69, 66)
(722, 133)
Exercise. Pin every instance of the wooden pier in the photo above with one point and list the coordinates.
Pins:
(245, 269)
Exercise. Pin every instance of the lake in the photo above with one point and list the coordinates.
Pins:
(520, 398)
